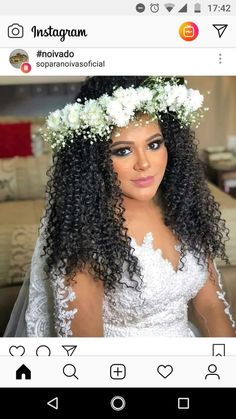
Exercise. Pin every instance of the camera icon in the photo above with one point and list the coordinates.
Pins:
(15, 31)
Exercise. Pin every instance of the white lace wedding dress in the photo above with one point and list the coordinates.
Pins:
(160, 308)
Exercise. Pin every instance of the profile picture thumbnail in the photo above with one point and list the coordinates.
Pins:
(18, 57)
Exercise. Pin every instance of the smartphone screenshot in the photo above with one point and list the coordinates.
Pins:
(118, 207)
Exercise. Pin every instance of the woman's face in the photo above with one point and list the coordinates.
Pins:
(139, 158)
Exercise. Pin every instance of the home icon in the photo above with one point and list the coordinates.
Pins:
(23, 372)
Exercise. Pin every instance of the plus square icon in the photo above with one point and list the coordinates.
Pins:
(117, 371)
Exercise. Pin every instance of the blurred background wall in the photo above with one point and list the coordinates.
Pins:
(220, 121)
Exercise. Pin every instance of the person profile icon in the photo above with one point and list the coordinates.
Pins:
(212, 368)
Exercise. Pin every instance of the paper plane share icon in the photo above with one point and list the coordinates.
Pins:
(220, 29)
(70, 349)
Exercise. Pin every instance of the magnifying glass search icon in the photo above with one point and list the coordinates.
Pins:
(69, 370)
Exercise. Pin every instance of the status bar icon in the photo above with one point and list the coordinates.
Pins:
(169, 6)
(197, 8)
(184, 9)
(140, 7)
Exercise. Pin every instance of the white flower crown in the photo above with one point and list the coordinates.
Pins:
(96, 118)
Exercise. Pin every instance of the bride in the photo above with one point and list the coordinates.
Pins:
(130, 232)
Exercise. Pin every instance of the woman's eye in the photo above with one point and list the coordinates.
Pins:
(120, 152)
(155, 145)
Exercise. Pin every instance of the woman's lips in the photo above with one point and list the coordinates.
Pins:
(142, 182)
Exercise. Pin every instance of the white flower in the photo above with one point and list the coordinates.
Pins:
(71, 115)
(54, 120)
(176, 97)
(195, 100)
(103, 100)
(117, 114)
(92, 115)
(144, 94)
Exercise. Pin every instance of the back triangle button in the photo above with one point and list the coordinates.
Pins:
(53, 403)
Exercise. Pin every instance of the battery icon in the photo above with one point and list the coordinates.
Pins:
(197, 8)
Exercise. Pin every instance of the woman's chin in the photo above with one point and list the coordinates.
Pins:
(143, 195)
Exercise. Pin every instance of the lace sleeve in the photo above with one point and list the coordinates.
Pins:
(221, 296)
(47, 313)
(63, 294)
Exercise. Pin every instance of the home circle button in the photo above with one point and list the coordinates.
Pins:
(118, 403)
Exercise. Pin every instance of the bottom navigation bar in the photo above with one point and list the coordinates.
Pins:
(119, 402)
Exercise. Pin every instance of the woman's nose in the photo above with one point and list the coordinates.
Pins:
(141, 162)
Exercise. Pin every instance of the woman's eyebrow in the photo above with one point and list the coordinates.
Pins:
(158, 135)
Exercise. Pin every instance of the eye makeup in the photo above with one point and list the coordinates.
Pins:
(122, 151)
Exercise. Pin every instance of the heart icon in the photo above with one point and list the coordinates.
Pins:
(165, 370)
(17, 350)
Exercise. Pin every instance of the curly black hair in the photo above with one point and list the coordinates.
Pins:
(85, 213)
